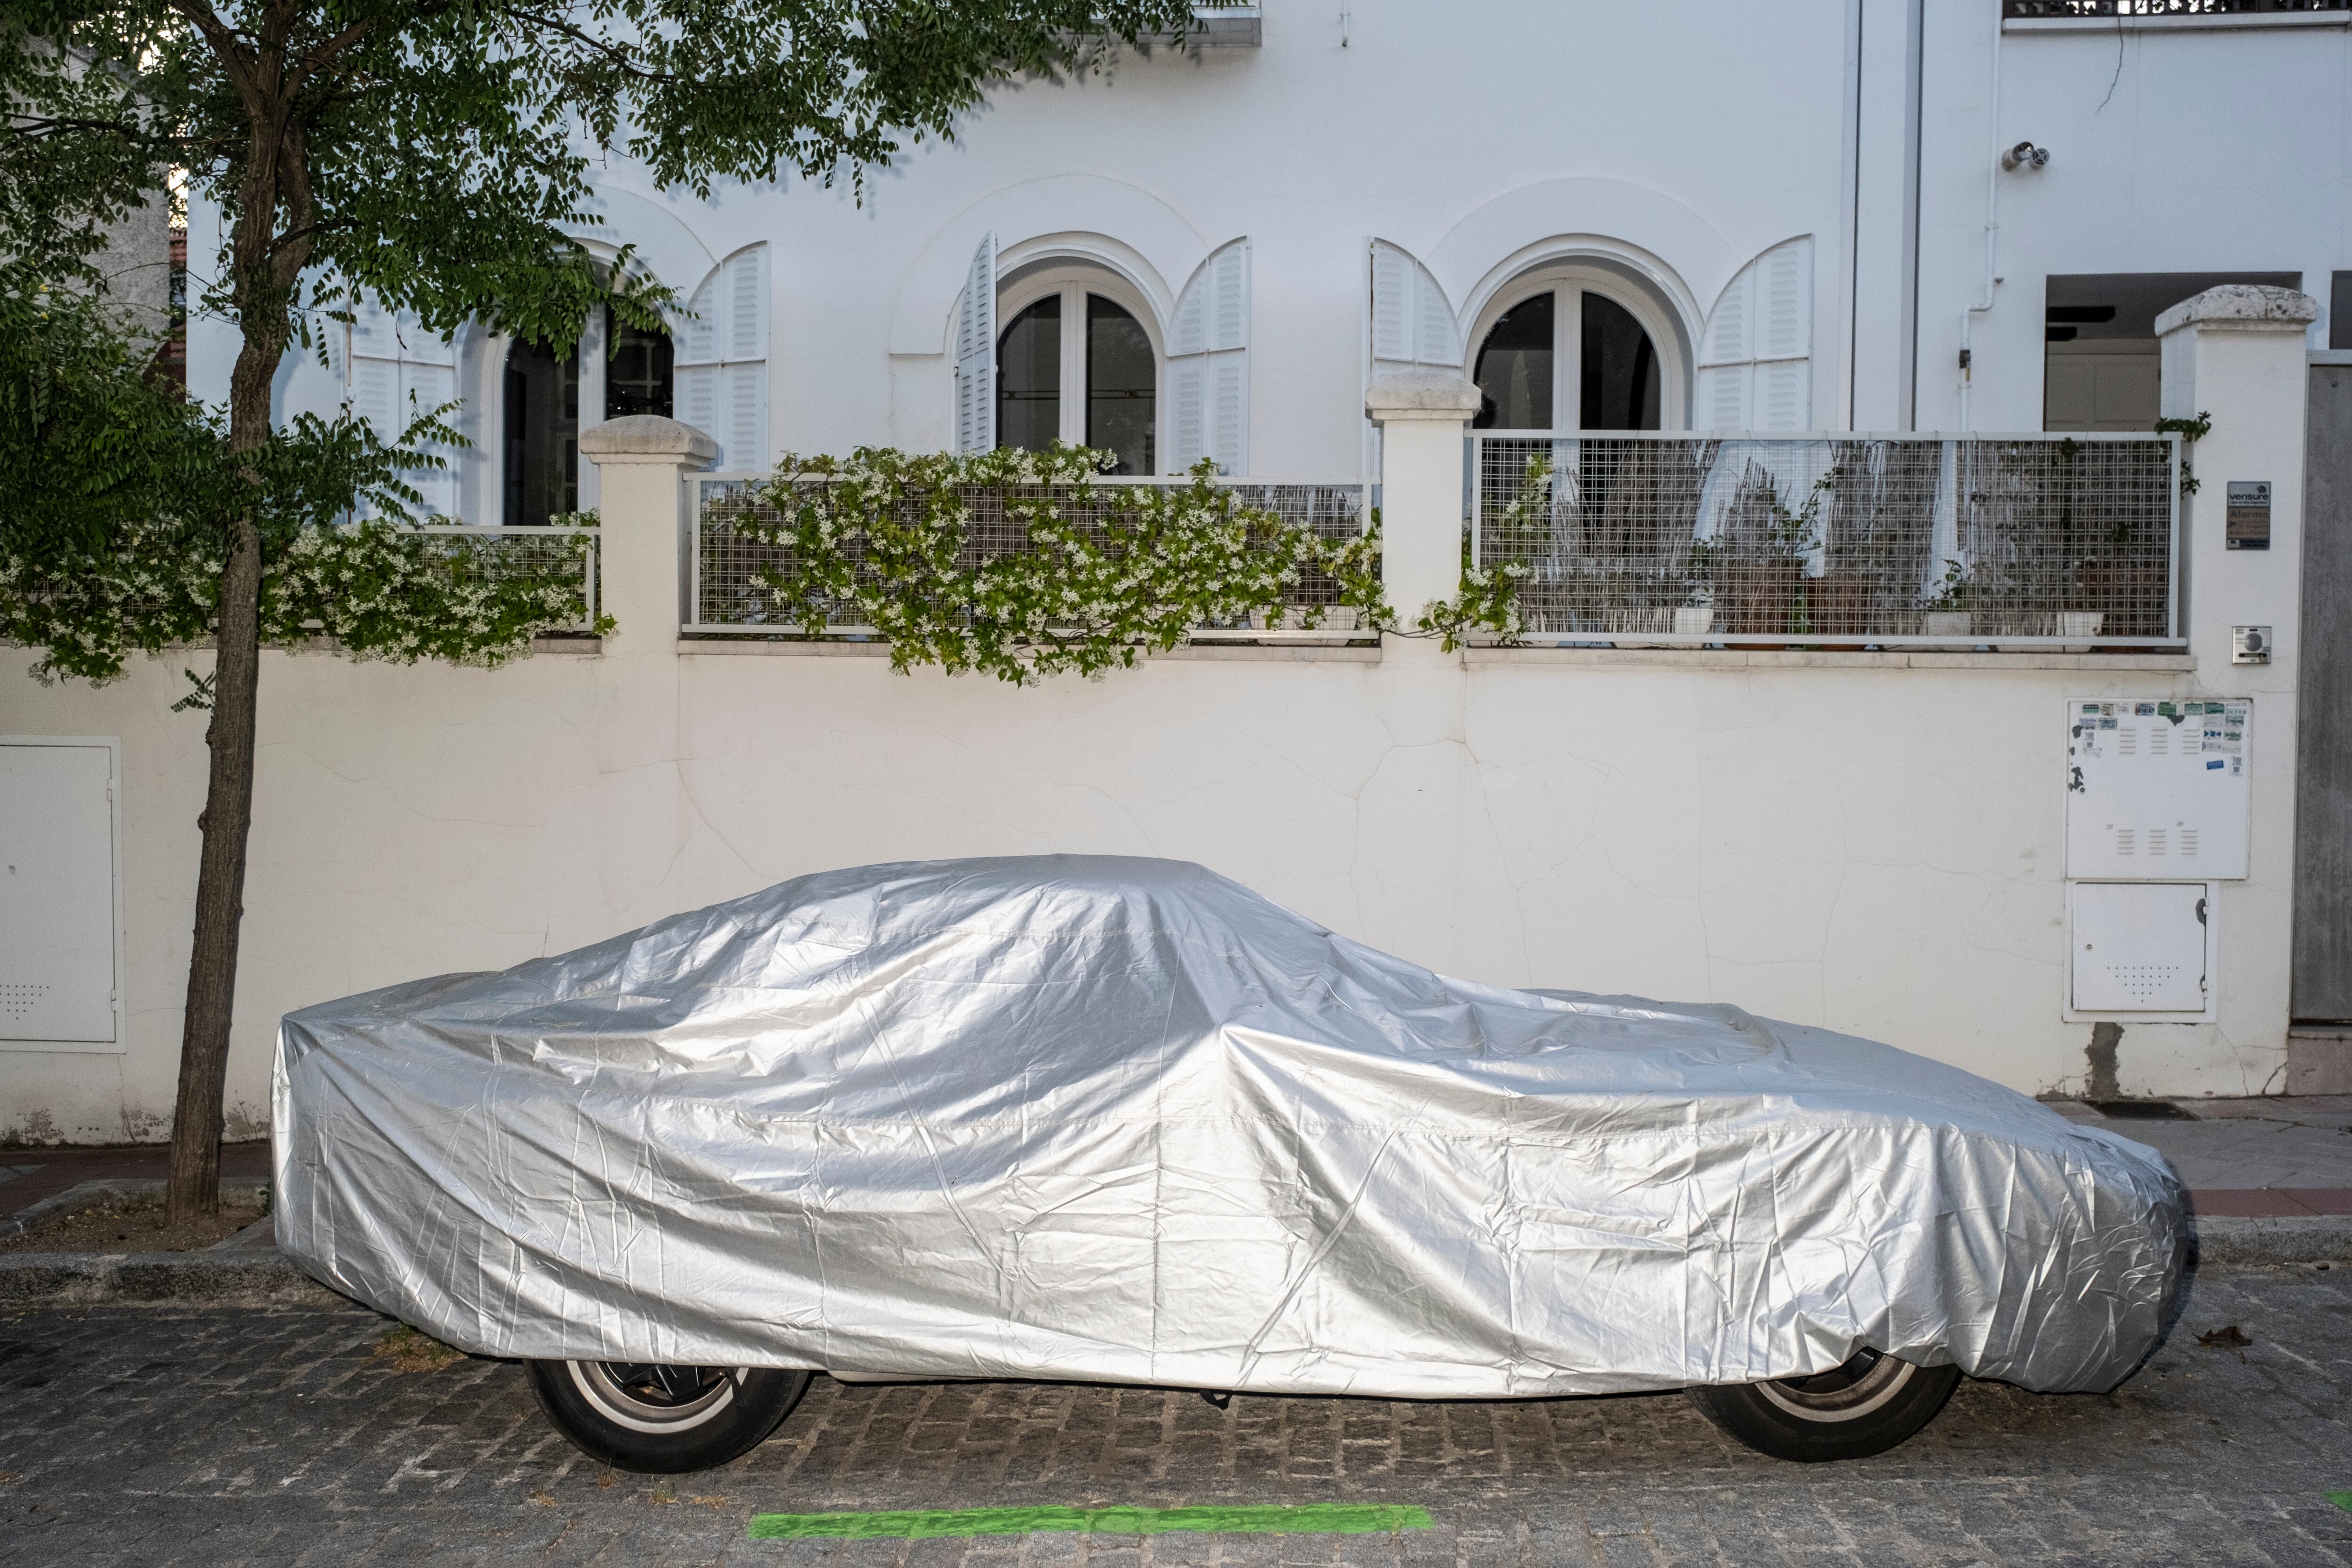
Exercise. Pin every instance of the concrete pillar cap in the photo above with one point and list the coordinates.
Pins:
(647, 438)
(1433, 395)
(2243, 307)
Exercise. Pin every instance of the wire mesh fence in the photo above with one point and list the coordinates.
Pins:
(1832, 540)
(733, 566)
(487, 556)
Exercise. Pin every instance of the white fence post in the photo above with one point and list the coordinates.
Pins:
(1421, 414)
(2237, 353)
(640, 460)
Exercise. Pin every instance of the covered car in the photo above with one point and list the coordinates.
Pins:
(1121, 1119)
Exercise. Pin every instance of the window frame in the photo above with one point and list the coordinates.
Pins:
(1073, 281)
(1666, 338)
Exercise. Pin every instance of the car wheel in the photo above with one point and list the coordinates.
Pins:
(1865, 1406)
(665, 1419)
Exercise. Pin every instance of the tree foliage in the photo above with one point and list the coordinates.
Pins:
(439, 152)
(116, 521)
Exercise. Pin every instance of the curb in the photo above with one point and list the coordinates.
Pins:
(253, 1279)
(2234, 1242)
(236, 1272)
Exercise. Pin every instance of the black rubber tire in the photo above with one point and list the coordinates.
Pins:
(1864, 1408)
(664, 1420)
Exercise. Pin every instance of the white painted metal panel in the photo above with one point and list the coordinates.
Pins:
(2139, 947)
(2156, 790)
(58, 925)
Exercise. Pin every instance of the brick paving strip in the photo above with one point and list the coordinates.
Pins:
(277, 1439)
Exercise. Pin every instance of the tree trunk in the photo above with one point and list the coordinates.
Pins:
(195, 1184)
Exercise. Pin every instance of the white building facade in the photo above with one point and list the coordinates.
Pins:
(1806, 198)
(1886, 215)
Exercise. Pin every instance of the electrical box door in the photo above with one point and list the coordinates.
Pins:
(57, 896)
(2140, 947)
(2157, 791)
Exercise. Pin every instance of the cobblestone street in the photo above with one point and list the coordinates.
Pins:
(228, 1437)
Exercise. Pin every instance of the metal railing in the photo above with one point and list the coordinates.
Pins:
(2050, 10)
(1834, 539)
(728, 568)
(492, 554)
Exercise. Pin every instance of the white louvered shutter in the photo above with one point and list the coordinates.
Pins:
(1755, 370)
(1208, 365)
(394, 372)
(975, 352)
(1412, 326)
(1412, 322)
(720, 380)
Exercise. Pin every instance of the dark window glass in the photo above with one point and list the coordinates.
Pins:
(2339, 312)
(1514, 372)
(1620, 370)
(1029, 378)
(637, 377)
(1122, 383)
(542, 435)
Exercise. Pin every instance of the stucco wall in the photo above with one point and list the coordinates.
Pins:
(1877, 849)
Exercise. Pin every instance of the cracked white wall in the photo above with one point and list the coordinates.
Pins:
(1878, 850)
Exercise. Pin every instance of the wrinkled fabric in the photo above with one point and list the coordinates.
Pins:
(1124, 1121)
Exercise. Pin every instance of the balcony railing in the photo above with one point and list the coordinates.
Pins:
(1834, 539)
(733, 570)
(2095, 10)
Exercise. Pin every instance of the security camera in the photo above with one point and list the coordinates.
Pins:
(2024, 155)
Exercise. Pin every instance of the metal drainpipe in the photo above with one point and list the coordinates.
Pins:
(1991, 231)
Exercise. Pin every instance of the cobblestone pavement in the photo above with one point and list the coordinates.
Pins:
(223, 1437)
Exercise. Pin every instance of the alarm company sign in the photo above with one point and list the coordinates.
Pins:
(2248, 526)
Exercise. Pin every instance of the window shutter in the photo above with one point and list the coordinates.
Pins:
(395, 371)
(1413, 324)
(1208, 365)
(1755, 369)
(720, 375)
(975, 351)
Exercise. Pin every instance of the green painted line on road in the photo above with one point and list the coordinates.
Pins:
(924, 1524)
(2341, 1500)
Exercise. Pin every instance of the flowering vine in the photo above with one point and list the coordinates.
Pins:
(377, 589)
(1021, 564)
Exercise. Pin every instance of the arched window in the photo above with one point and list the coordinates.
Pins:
(542, 394)
(1076, 364)
(1571, 355)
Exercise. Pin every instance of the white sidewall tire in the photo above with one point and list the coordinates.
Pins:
(588, 1406)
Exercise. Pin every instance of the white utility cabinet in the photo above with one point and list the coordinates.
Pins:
(2141, 947)
(61, 935)
(2157, 791)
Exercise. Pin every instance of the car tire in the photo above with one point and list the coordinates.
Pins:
(1865, 1406)
(663, 1420)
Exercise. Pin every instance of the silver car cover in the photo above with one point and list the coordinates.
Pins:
(1125, 1120)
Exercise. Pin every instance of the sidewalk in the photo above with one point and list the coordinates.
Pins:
(29, 1175)
(2280, 1157)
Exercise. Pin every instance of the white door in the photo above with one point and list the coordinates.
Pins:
(58, 926)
